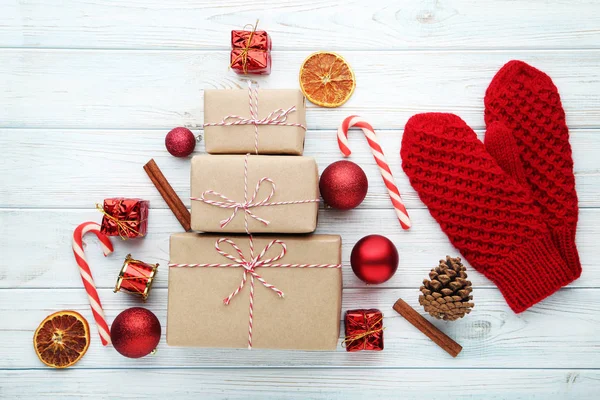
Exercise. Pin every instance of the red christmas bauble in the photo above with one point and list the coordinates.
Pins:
(135, 332)
(374, 259)
(343, 185)
(180, 142)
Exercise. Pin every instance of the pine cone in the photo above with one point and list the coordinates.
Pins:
(446, 296)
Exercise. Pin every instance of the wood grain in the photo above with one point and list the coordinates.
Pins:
(492, 336)
(298, 24)
(332, 384)
(42, 258)
(163, 89)
(88, 90)
(76, 168)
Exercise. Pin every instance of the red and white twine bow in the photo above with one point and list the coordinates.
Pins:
(245, 206)
(250, 267)
(276, 117)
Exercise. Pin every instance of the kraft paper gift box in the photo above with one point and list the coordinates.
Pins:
(307, 317)
(294, 178)
(240, 139)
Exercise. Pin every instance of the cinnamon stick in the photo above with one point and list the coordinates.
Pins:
(433, 333)
(168, 194)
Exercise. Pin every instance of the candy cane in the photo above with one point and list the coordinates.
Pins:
(386, 173)
(86, 274)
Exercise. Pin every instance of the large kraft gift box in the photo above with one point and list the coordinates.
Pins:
(307, 317)
(240, 139)
(295, 179)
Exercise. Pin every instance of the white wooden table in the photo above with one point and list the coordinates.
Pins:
(88, 90)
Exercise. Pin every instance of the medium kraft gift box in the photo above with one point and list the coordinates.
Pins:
(307, 317)
(295, 179)
(240, 139)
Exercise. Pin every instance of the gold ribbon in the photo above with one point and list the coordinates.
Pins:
(352, 338)
(244, 54)
(121, 224)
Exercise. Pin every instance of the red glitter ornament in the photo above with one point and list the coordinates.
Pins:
(343, 185)
(135, 332)
(180, 142)
(374, 259)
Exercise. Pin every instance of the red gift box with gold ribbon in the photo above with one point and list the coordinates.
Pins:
(125, 217)
(364, 330)
(251, 52)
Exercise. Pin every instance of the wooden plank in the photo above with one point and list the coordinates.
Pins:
(164, 89)
(37, 252)
(75, 168)
(296, 24)
(492, 335)
(121, 77)
(332, 384)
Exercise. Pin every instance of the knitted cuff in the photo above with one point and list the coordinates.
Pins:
(564, 240)
(531, 274)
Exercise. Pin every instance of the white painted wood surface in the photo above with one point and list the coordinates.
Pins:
(88, 90)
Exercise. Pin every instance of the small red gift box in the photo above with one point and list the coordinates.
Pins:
(251, 52)
(364, 330)
(123, 217)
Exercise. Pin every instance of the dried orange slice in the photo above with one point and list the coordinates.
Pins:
(326, 79)
(62, 339)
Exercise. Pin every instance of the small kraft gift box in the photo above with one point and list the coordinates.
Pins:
(258, 121)
(254, 194)
(276, 292)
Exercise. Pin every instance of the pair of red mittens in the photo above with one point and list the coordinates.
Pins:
(509, 205)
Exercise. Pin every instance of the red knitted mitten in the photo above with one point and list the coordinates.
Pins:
(528, 136)
(487, 215)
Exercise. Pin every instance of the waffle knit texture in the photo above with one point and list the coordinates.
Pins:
(528, 136)
(487, 215)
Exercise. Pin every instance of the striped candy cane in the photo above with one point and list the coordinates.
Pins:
(86, 273)
(386, 173)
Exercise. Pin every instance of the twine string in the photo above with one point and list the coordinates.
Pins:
(251, 264)
(276, 117)
(253, 93)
